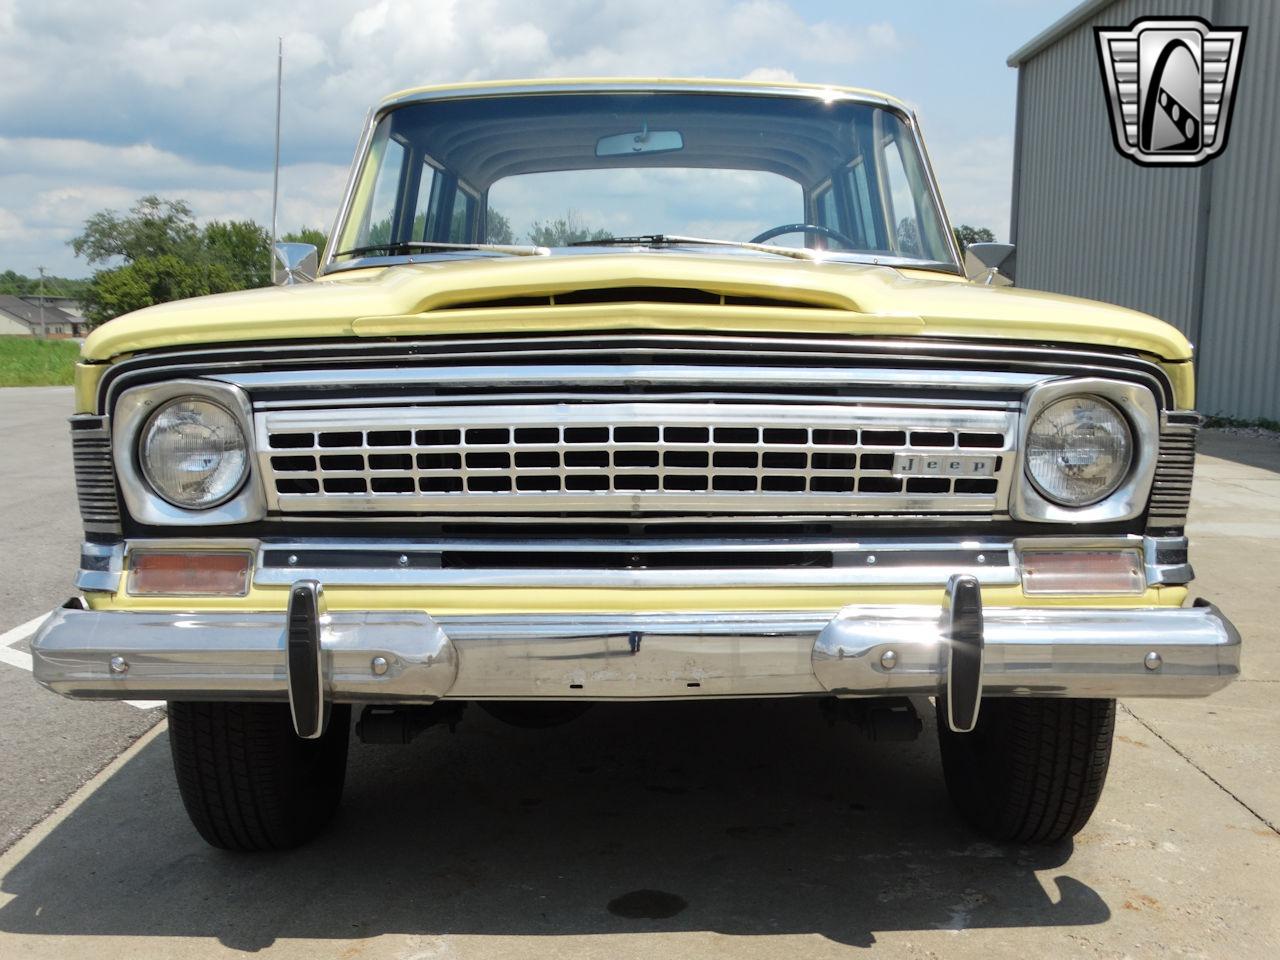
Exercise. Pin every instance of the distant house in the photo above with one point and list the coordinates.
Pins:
(22, 317)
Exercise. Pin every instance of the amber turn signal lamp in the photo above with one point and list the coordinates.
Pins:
(192, 574)
(1083, 571)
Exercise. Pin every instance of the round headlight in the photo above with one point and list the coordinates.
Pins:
(193, 453)
(1078, 450)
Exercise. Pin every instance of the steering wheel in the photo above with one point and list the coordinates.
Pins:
(804, 228)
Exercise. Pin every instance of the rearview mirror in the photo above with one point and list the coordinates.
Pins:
(990, 263)
(293, 263)
(645, 141)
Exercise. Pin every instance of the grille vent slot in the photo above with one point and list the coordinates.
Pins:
(1171, 487)
(95, 474)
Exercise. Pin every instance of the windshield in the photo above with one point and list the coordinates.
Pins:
(557, 169)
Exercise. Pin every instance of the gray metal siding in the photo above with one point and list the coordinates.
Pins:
(1090, 222)
(1239, 363)
(1197, 247)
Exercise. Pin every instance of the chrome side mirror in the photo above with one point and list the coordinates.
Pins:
(293, 263)
(990, 263)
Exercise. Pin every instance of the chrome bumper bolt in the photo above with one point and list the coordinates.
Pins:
(378, 665)
(888, 659)
(1152, 661)
(119, 665)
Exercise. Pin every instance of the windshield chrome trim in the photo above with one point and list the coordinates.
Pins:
(830, 95)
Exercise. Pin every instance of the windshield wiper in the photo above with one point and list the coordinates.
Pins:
(408, 246)
(669, 239)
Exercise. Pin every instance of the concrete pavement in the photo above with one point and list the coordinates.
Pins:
(49, 746)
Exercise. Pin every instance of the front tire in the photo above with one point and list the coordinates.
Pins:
(248, 781)
(1033, 769)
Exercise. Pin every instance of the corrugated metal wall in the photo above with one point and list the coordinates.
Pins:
(1091, 223)
(1239, 363)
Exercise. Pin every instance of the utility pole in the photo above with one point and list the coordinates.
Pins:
(43, 330)
(275, 181)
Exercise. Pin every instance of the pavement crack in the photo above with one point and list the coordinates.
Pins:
(1209, 776)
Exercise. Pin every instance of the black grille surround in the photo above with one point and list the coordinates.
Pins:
(788, 351)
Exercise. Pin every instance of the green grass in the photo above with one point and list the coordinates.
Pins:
(28, 362)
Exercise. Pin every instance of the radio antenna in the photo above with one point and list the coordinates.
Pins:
(275, 179)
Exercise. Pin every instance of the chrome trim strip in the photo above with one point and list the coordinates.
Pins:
(801, 352)
(101, 566)
(1167, 560)
(1057, 651)
(348, 192)
(826, 94)
(419, 564)
(629, 374)
(375, 563)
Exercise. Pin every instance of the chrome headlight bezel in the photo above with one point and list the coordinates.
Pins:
(134, 411)
(1137, 405)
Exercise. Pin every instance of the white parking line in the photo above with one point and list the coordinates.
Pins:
(22, 660)
(19, 658)
(10, 637)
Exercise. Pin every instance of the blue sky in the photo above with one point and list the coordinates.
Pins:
(103, 102)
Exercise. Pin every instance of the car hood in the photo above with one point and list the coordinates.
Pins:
(634, 290)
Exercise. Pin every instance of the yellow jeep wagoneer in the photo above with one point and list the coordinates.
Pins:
(635, 390)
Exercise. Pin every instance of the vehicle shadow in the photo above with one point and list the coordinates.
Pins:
(1251, 451)
(743, 818)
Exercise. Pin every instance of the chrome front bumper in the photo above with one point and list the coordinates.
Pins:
(412, 657)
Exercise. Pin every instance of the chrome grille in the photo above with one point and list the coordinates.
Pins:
(95, 475)
(1171, 487)
(637, 456)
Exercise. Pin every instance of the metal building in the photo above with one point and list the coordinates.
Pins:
(1196, 246)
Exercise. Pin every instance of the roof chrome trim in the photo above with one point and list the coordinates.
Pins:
(744, 88)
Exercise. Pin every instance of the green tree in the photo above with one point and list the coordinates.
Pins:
(17, 284)
(152, 280)
(966, 235)
(153, 228)
(167, 256)
(309, 235)
(498, 228)
(242, 247)
(564, 231)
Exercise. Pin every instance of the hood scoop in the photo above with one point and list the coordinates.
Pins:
(633, 294)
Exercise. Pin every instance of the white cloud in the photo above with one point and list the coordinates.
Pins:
(51, 186)
(776, 74)
(976, 178)
(100, 103)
